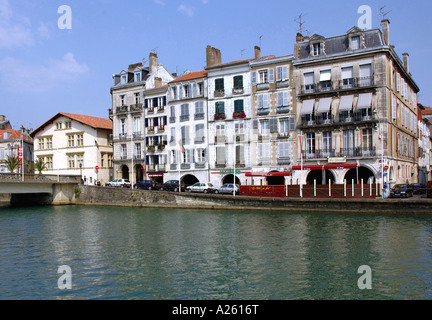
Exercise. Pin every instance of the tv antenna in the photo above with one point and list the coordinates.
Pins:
(382, 13)
(300, 22)
(260, 37)
(242, 52)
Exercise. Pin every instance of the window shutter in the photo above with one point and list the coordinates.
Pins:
(394, 115)
(255, 125)
(194, 90)
(147, 141)
(145, 103)
(265, 101)
(146, 122)
(271, 75)
(155, 102)
(156, 122)
(285, 98)
(309, 78)
(280, 99)
(156, 140)
(398, 81)
(164, 101)
(273, 125)
(279, 74)
(254, 78)
(180, 93)
(291, 123)
(284, 73)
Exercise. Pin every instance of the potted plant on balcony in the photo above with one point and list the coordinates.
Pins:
(161, 146)
(240, 114)
(151, 148)
(219, 116)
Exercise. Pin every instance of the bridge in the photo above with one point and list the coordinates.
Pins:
(38, 188)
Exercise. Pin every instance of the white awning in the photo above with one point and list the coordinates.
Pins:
(346, 103)
(324, 105)
(308, 106)
(364, 101)
(325, 75)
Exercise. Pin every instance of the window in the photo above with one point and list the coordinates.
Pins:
(199, 133)
(327, 143)
(199, 107)
(80, 161)
(185, 135)
(41, 144)
(367, 140)
(365, 75)
(49, 163)
(238, 106)
(316, 47)
(110, 161)
(282, 99)
(49, 144)
(263, 76)
(348, 142)
(187, 90)
(173, 134)
(137, 77)
(124, 151)
(282, 73)
(138, 150)
(283, 152)
(355, 43)
(71, 161)
(122, 100)
(68, 124)
(286, 125)
(220, 130)
(200, 88)
(264, 127)
(137, 98)
(220, 107)
(238, 82)
(173, 113)
(201, 155)
(309, 82)
(347, 77)
(71, 141)
(174, 93)
(80, 140)
(123, 126)
(123, 79)
(263, 101)
(137, 121)
(264, 152)
(58, 125)
(325, 80)
(220, 156)
(239, 128)
(310, 143)
(219, 84)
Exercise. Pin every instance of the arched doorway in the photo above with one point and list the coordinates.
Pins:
(321, 177)
(139, 173)
(230, 178)
(189, 180)
(125, 172)
(358, 174)
(275, 180)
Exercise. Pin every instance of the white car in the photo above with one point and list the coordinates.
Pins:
(228, 188)
(124, 183)
(201, 187)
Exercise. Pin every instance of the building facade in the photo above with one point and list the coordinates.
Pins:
(10, 142)
(356, 110)
(128, 115)
(187, 128)
(274, 142)
(72, 144)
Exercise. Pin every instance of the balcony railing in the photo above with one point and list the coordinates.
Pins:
(219, 93)
(184, 117)
(313, 120)
(262, 111)
(122, 109)
(337, 85)
(199, 116)
(138, 107)
(283, 109)
(318, 154)
(262, 86)
(238, 90)
(172, 119)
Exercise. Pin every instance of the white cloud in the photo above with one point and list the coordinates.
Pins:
(186, 10)
(19, 76)
(14, 32)
(205, 1)
(43, 30)
(159, 2)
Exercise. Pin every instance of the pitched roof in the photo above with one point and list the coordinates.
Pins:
(94, 122)
(14, 134)
(427, 110)
(231, 63)
(191, 75)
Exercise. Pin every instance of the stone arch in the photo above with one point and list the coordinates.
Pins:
(189, 179)
(358, 174)
(321, 177)
(276, 180)
(124, 172)
(229, 178)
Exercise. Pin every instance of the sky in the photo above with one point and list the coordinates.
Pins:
(52, 60)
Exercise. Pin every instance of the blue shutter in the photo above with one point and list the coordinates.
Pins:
(155, 102)
(146, 122)
(165, 120)
(254, 78)
(156, 140)
(155, 122)
(271, 75)
(145, 103)
(164, 101)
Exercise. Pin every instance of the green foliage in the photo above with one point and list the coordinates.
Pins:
(39, 165)
(11, 163)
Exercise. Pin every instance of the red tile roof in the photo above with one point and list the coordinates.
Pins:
(427, 110)
(191, 75)
(94, 122)
(14, 134)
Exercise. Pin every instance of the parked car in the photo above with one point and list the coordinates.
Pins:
(147, 185)
(124, 183)
(418, 188)
(205, 187)
(228, 188)
(401, 191)
(172, 185)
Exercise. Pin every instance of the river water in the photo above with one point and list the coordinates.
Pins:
(139, 253)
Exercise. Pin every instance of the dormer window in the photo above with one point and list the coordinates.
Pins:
(137, 77)
(355, 43)
(123, 79)
(316, 49)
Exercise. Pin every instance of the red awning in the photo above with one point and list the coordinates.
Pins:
(268, 174)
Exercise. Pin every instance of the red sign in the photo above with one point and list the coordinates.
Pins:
(20, 153)
(386, 168)
(97, 167)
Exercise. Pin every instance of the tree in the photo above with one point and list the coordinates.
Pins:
(11, 163)
(39, 165)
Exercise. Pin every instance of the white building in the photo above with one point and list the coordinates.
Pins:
(229, 118)
(188, 125)
(128, 115)
(72, 144)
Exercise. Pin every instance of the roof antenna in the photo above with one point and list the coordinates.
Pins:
(383, 14)
(299, 21)
(260, 37)
(242, 52)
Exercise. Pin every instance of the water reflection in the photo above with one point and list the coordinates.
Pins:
(131, 253)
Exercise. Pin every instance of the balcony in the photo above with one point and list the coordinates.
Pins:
(150, 110)
(238, 90)
(280, 84)
(160, 129)
(318, 154)
(172, 119)
(283, 161)
(200, 165)
(337, 85)
(122, 109)
(219, 93)
(184, 117)
(161, 109)
(185, 166)
(137, 135)
(263, 86)
(199, 116)
(221, 139)
(283, 109)
(122, 136)
(263, 111)
(357, 152)
(138, 107)
(199, 140)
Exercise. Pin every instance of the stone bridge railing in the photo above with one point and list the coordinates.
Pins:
(38, 178)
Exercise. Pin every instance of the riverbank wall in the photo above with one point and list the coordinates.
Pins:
(108, 196)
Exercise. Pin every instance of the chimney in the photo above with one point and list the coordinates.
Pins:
(257, 52)
(153, 62)
(406, 61)
(213, 56)
(157, 82)
(386, 31)
(2, 118)
(299, 38)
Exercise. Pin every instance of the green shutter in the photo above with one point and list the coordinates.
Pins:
(219, 84)
(238, 106)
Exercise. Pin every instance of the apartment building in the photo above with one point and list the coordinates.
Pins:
(229, 118)
(274, 143)
(424, 144)
(128, 115)
(74, 144)
(187, 127)
(10, 143)
(356, 111)
(156, 131)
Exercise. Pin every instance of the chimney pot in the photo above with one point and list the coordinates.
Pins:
(406, 61)
(386, 31)
(213, 56)
(153, 62)
(257, 52)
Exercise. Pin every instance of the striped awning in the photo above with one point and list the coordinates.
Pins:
(346, 103)
(324, 105)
